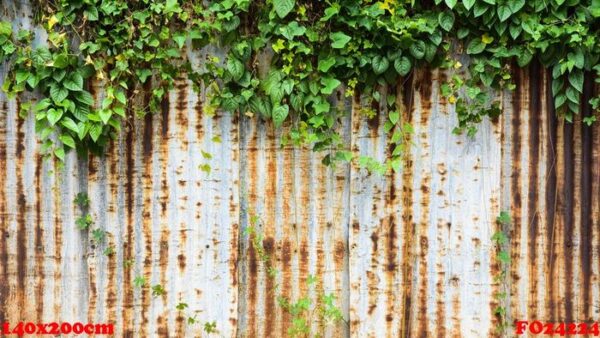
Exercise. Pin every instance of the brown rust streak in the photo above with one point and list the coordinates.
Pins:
(595, 207)
(111, 293)
(285, 244)
(551, 200)
(181, 112)
(515, 186)
(38, 237)
(163, 260)
(532, 202)
(269, 231)
(21, 240)
(147, 197)
(566, 208)
(425, 93)
(58, 241)
(586, 232)
(165, 115)
(4, 276)
(323, 224)
(408, 225)
(129, 245)
(234, 231)
(163, 251)
(251, 260)
(199, 125)
(92, 268)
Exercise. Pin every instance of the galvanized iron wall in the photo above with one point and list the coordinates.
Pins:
(407, 254)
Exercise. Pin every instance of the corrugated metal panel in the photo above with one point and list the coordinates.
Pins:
(408, 254)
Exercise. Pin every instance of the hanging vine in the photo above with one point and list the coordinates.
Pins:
(284, 59)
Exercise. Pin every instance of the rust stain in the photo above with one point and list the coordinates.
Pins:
(4, 274)
(181, 113)
(532, 198)
(566, 206)
(588, 171)
(147, 196)
(515, 185)
(129, 241)
(409, 227)
(38, 237)
(551, 199)
(165, 115)
(164, 257)
(21, 239)
(58, 241)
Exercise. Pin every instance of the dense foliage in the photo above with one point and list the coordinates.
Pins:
(283, 60)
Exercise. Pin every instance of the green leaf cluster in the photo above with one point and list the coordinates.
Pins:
(293, 61)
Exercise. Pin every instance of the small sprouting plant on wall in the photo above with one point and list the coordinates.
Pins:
(502, 248)
(304, 311)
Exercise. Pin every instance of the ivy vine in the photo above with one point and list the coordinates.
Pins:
(283, 60)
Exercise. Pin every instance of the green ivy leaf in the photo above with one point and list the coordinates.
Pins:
(60, 153)
(559, 100)
(235, 67)
(325, 64)
(515, 31)
(58, 93)
(475, 46)
(572, 95)
(516, 5)
(417, 49)
(5, 28)
(468, 4)
(380, 64)
(339, 39)
(61, 61)
(179, 38)
(524, 58)
(68, 123)
(329, 85)
(576, 80)
(67, 140)
(280, 113)
(43, 104)
(74, 82)
(105, 115)
(322, 107)
(292, 30)
(261, 106)
(21, 75)
(450, 3)
(480, 8)
(120, 96)
(504, 12)
(402, 65)
(54, 115)
(85, 97)
(446, 20)
(95, 131)
(394, 116)
(283, 7)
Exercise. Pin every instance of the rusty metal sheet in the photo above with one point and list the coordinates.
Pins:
(170, 222)
(407, 254)
(420, 239)
(303, 210)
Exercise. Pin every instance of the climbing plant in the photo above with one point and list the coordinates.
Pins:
(290, 61)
